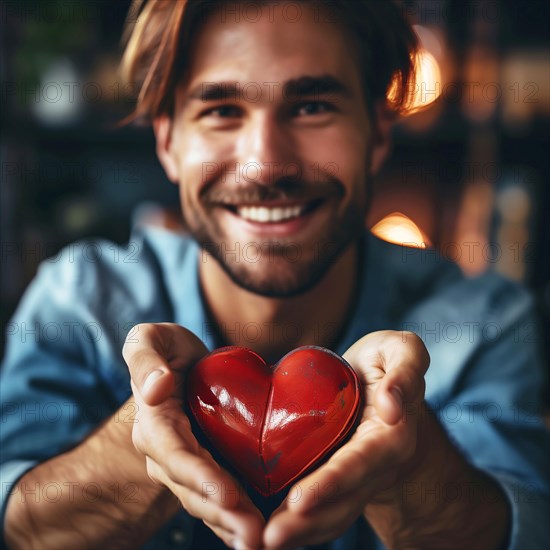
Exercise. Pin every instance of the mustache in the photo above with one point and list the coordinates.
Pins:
(285, 189)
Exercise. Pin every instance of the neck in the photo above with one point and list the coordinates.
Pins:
(275, 326)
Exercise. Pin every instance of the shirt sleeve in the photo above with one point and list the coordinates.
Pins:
(50, 392)
(494, 410)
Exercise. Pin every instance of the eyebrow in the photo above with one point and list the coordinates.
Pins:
(315, 85)
(304, 86)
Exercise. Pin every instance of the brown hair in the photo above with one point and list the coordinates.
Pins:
(159, 37)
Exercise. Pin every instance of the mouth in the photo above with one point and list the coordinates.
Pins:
(273, 213)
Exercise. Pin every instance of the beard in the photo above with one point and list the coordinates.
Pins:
(280, 269)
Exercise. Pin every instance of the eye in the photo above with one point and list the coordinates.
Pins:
(314, 107)
(223, 111)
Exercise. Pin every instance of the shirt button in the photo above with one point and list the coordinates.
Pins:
(178, 537)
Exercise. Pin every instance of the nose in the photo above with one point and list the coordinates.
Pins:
(266, 151)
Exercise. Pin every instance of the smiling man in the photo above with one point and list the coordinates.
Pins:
(272, 118)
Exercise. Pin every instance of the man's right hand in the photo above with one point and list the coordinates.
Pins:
(157, 356)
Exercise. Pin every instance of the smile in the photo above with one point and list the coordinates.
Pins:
(273, 214)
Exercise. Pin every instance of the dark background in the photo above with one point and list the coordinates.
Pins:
(471, 168)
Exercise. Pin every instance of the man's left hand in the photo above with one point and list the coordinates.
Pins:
(398, 454)
(391, 367)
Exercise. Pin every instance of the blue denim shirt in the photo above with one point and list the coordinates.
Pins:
(63, 372)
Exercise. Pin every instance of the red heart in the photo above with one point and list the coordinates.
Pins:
(274, 423)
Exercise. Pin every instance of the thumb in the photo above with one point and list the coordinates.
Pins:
(151, 376)
(158, 358)
(399, 394)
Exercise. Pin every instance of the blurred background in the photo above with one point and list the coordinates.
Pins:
(468, 175)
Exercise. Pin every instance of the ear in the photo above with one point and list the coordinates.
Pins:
(162, 126)
(382, 125)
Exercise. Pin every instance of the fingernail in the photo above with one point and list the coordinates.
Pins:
(150, 380)
(238, 544)
(397, 396)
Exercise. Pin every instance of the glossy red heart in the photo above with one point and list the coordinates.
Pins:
(273, 424)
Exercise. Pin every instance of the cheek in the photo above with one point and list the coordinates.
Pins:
(343, 153)
(200, 160)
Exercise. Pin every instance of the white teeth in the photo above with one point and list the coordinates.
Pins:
(263, 215)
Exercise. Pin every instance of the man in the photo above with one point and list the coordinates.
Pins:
(408, 477)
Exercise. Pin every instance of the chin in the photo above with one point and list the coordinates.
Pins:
(275, 288)
(277, 279)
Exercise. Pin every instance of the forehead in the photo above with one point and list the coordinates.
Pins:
(273, 43)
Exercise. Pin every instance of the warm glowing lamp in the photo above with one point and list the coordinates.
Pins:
(427, 87)
(399, 229)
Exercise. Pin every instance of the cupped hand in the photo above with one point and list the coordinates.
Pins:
(157, 356)
(391, 367)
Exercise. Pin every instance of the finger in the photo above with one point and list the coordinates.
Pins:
(152, 377)
(180, 464)
(399, 395)
(181, 346)
(163, 434)
(241, 522)
(404, 359)
(155, 354)
(387, 349)
(360, 463)
(204, 488)
(288, 529)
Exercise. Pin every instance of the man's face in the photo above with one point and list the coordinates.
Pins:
(274, 177)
